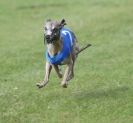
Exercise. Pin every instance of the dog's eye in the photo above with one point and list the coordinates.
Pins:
(55, 30)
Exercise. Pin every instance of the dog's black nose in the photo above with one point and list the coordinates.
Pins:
(47, 37)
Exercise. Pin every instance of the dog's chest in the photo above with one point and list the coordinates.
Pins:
(61, 56)
(53, 49)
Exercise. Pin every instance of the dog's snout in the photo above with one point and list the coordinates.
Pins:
(47, 37)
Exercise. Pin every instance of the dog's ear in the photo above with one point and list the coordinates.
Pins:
(62, 23)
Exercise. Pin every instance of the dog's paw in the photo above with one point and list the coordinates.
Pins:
(64, 85)
(40, 85)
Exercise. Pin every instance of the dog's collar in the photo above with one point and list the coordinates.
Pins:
(68, 38)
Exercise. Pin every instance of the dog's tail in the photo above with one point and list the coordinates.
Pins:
(83, 48)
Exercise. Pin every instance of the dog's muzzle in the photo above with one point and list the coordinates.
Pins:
(51, 38)
(47, 37)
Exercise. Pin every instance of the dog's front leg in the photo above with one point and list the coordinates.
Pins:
(66, 74)
(48, 68)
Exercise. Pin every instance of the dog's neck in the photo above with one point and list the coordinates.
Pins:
(54, 48)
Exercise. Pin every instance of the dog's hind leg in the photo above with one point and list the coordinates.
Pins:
(58, 71)
(47, 74)
(71, 73)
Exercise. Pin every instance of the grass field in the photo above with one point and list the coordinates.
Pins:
(102, 90)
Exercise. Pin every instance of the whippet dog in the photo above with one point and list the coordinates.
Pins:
(61, 49)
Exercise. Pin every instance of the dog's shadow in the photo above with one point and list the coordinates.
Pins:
(102, 93)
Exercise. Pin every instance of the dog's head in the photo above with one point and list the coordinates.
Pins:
(52, 30)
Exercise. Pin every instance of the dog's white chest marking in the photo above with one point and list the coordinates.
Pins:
(51, 49)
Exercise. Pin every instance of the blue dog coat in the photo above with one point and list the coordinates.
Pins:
(68, 40)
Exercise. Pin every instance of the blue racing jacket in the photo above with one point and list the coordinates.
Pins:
(68, 40)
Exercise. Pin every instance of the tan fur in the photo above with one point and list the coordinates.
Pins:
(54, 48)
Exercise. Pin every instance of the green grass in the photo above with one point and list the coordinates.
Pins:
(102, 90)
